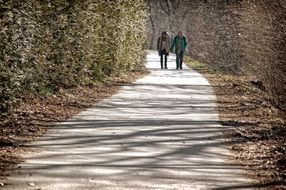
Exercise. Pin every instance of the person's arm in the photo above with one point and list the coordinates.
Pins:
(185, 43)
(169, 44)
(158, 44)
(173, 44)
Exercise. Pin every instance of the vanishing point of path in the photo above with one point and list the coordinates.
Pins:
(161, 132)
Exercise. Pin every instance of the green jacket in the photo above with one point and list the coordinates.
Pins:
(175, 43)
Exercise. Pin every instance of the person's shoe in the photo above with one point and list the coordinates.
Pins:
(166, 67)
(181, 68)
(177, 68)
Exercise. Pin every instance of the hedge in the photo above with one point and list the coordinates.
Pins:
(47, 45)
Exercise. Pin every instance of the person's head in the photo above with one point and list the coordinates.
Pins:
(164, 33)
(180, 33)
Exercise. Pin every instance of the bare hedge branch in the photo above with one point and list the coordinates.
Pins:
(238, 36)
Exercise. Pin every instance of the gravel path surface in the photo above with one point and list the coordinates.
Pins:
(161, 132)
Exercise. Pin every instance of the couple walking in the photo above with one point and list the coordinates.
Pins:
(164, 46)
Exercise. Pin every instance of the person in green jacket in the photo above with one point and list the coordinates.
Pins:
(180, 44)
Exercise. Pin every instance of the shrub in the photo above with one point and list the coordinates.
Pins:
(263, 43)
(61, 44)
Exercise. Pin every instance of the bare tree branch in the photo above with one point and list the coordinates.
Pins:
(165, 9)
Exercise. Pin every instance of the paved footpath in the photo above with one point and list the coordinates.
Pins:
(161, 132)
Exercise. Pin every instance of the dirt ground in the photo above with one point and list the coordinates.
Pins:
(260, 132)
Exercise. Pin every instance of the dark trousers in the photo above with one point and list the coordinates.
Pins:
(163, 58)
(179, 60)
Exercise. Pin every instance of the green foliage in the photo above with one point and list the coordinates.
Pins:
(46, 89)
(47, 45)
(202, 67)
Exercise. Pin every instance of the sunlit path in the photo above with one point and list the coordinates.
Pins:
(161, 132)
